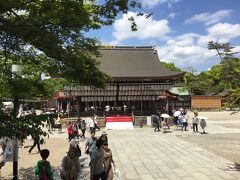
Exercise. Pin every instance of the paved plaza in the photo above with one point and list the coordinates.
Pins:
(144, 154)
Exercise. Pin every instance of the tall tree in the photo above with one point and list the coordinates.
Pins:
(49, 37)
(230, 71)
(224, 50)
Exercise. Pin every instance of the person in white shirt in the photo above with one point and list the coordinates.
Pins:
(91, 125)
(184, 120)
(195, 122)
(95, 119)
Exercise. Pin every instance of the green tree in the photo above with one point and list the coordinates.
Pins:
(229, 75)
(217, 86)
(49, 37)
(170, 66)
(224, 50)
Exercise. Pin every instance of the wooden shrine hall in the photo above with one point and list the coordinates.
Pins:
(139, 84)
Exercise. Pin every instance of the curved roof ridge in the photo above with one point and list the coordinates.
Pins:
(127, 47)
(135, 64)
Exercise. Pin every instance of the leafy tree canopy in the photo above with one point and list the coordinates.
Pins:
(170, 66)
(229, 74)
(54, 30)
(48, 36)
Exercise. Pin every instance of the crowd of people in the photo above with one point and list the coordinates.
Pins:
(101, 160)
(74, 129)
(180, 119)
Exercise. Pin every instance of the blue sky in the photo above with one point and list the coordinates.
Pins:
(179, 30)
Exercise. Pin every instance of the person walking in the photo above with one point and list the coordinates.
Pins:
(90, 148)
(36, 142)
(108, 161)
(104, 137)
(97, 170)
(90, 144)
(70, 167)
(184, 121)
(156, 122)
(70, 131)
(95, 119)
(166, 121)
(43, 168)
(83, 127)
(75, 129)
(91, 125)
(195, 122)
(203, 125)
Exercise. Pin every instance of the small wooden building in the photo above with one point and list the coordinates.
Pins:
(182, 100)
(206, 102)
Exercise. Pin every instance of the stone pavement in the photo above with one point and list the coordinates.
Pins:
(144, 154)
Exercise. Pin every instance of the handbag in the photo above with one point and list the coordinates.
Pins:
(117, 172)
(87, 151)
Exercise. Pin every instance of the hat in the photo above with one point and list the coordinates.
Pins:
(104, 133)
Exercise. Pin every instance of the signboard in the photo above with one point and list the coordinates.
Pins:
(7, 149)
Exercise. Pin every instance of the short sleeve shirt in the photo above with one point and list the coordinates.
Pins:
(92, 143)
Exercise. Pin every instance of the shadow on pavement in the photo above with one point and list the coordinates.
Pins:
(27, 173)
(233, 167)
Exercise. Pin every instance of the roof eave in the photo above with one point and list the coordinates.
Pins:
(169, 77)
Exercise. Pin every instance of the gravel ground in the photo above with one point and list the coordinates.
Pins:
(224, 145)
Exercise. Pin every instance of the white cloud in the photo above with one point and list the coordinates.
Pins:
(147, 28)
(184, 51)
(172, 15)
(187, 50)
(236, 50)
(224, 32)
(203, 40)
(153, 3)
(208, 18)
(191, 49)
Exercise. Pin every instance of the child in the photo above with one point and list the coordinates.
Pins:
(43, 168)
(203, 125)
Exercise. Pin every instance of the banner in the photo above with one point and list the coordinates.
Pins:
(119, 122)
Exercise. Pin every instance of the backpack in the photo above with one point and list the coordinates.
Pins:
(44, 174)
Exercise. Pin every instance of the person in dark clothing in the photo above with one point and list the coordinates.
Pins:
(104, 137)
(156, 122)
(83, 127)
(36, 142)
(75, 130)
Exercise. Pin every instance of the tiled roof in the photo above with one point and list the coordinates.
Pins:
(136, 63)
